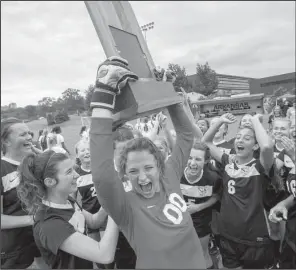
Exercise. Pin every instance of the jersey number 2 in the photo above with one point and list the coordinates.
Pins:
(93, 192)
(176, 205)
(231, 188)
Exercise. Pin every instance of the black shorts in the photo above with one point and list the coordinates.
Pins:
(287, 257)
(20, 259)
(202, 226)
(241, 255)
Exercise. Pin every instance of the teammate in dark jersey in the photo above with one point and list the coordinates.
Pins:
(199, 185)
(18, 248)
(151, 213)
(286, 210)
(243, 223)
(60, 226)
(125, 257)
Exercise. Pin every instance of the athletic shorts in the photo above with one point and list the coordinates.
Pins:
(20, 259)
(287, 257)
(236, 255)
(202, 226)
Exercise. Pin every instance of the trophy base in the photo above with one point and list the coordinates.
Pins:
(141, 98)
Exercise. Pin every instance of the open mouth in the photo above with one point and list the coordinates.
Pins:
(146, 188)
(193, 170)
(27, 145)
(240, 148)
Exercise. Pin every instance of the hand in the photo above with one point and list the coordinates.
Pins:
(288, 145)
(192, 207)
(113, 74)
(278, 213)
(258, 116)
(228, 118)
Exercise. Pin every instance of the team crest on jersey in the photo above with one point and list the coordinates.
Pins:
(10, 181)
(241, 171)
(196, 191)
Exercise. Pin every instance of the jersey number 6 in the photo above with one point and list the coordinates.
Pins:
(176, 205)
(231, 188)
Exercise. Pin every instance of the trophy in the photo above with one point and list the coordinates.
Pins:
(120, 35)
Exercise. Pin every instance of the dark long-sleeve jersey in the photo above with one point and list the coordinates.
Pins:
(160, 230)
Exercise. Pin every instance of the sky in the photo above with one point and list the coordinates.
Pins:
(49, 46)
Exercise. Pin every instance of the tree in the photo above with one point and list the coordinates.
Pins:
(73, 99)
(88, 94)
(45, 105)
(207, 81)
(31, 110)
(181, 77)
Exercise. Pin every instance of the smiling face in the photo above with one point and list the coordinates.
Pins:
(246, 120)
(202, 124)
(143, 172)
(277, 111)
(281, 128)
(66, 177)
(83, 152)
(195, 162)
(245, 143)
(19, 140)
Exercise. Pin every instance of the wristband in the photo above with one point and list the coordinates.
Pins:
(102, 98)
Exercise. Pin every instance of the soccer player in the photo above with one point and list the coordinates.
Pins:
(286, 210)
(60, 224)
(125, 257)
(152, 213)
(199, 185)
(203, 124)
(18, 248)
(86, 189)
(243, 223)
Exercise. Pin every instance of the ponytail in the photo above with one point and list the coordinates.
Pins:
(32, 172)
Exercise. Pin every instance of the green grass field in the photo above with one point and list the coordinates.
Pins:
(71, 128)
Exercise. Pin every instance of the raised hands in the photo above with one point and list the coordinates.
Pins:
(289, 146)
(228, 118)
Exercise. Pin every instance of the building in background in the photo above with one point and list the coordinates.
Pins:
(268, 85)
(234, 85)
(12, 105)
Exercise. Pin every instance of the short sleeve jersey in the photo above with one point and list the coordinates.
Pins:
(290, 235)
(15, 239)
(200, 191)
(60, 140)
(242, 216)
(54, 223)
(89, 199)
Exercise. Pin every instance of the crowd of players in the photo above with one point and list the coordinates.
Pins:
(145, 196)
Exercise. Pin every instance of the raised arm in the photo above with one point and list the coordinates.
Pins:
(112, 76)
(184, 138)
(109, 188)
(265, 143)
(216, 153)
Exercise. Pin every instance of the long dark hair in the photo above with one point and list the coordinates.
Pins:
(32, 172)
